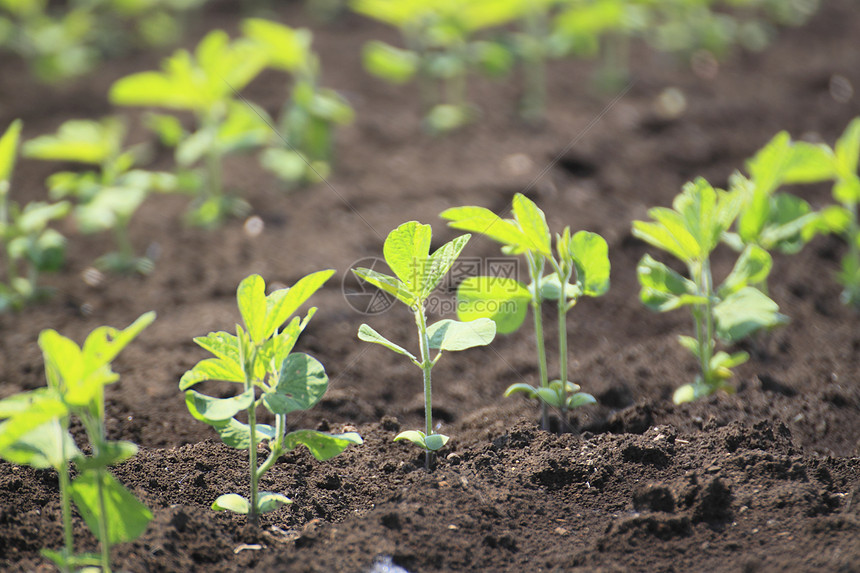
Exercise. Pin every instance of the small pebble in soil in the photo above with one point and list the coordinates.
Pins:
(384, 564)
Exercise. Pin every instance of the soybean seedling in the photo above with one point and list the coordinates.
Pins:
(108, 198)
(690, 231)
(580, 267)
(310, 114)
(31, 247)
(775, 220)
(206, 83)
(840, 163)
(417, 274)
(259, 357)
(440, 50)
(36, 433)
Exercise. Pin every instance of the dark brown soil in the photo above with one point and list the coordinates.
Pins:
(765, 480)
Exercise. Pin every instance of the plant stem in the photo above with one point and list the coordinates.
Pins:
(274, 454)
(536, 270)
(426, 367)
(65, 501)
(704, 319)
(253, 518)
(98, 439)
(562, 349)
(534, 71)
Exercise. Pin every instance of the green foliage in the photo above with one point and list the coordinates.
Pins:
(840, 164)
(35, 432)
(106, 199)
(310, 114)
(30, 246)
(259, 357)
(580, 267)
(68, 39)
(690, 232)
(440, 50)
(417, 274)
(206, 83)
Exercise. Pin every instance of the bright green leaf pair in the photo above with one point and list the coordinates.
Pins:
(580, 267)
(260, 358)
(417, 274)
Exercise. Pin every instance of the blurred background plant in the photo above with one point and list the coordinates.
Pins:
(61, 40)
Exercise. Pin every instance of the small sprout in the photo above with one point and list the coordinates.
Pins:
(690, 231)
(440, 51)
(108, 198)
(417, 274)
(580, 267)
(259, 357)
(30, 246)
(35, 432)
(206, 83)
(311, 113)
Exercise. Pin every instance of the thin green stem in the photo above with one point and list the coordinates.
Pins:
(426, 367)
(536, 270)
(280, 428)
(704, 318)
(65, 497)
(534, 71)
(96, 429)
(562, 348)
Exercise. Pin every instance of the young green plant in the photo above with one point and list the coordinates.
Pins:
(36, 433)
(27, 241)
(206, 83)
(690, 231)
(303, 150)
(417, 274)
(840, 164)
(108, 198)
(440, 50)
(260, 359)
(580, 267)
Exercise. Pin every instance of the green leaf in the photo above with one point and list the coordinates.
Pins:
(532, 222)
(485, 222)
(768, 166)
(389, 63)
(687, 393)
(792, 224)
(322, 446)
(282, 303)
(551, 397)
(46, 446)
(212, 369)
(505, 301)
(104, 343)
(406, 250)
(237, 435)
(223, 345)
(414, 436)
(213, 410)
(580, 399)
(8, 149)
(435, 442)
(745, 312)
(193, 148)
(367, 334)
(79, 140)
(530, 391)
(268, 501)
(847, 150)
(591, 256)
(550, 289)
(440, 262)
(286, 164)
(675, 241)
(690, 344)
(111, 453)
(127, 518)
(301, 384)
(810, 163)
(453, 335)
(232, 502)
(386, 283)
(286, 48)
(41, 411)
(664, 289)
(751, 268)
(251, 296)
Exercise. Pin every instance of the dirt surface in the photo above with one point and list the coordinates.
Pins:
(765, 480)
